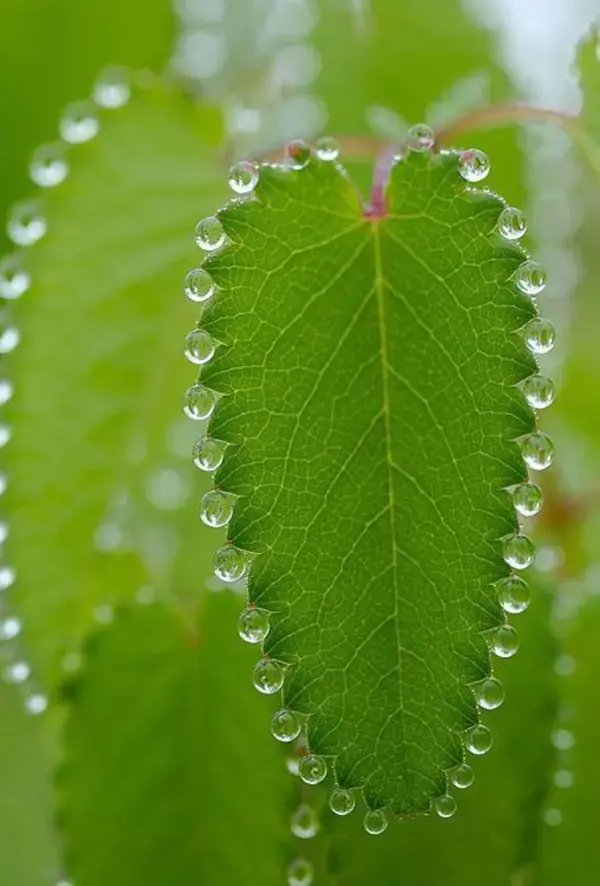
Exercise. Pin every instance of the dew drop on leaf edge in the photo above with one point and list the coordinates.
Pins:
(489, 694)
(230, 564)
(421, 137)
(375, 821)
(478, 740)
(518, 551)
(199, 285)
(297, 154)
(528, 499)
(253, 625)
(199, 402)
(514, 594)
(539, 391)
(286, 726)
(199, 347)
(505, 642)
(210, 234)
(512, 224)
(530, 277)
(243, 177)
(207, 454)
(216, 509)
(540, 336)
(445, 806)
(342, 801)
(462, 777)
(312, 769)
(268, 676)
(327, 149)
(538, 451)
(473, 165)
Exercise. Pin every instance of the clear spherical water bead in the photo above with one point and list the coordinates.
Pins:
(512, 224)
(210, 234)
(10, 338)
(268, 676)
(199, 285)
(518, 551)
(79, 123)
(473, 165)
(312, 769)
(14, 279)
(445, 806)
(48, 167)
(199, 347)
(514, 594)
(539, 391)
(375, 822)
(530, 277)
(421, 137)
(36, 704)
(305, 822)
(253, 625)
(17, 672)
(199, 402)
(216, 509)
(230, 564)
(10, 628)
(538, 451)
(297, 154)
(327, 149)
(540, 336)
(478, 740)
(489, 694)
(285, 726)
(342, 801)
(300, 872)
(528, 499)
(26, 223)
(208, 454)
(243, 177)
(112, 89)
(505, 642)
(462, 777)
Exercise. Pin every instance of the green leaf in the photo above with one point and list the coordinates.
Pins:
(169, 775)
(368, 369)
(586, 131)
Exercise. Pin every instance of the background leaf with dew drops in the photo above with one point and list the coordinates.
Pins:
(197, 790)
(301, 292)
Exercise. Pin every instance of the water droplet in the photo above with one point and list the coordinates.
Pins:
(305, 822)
(528, 499)
(565, 665)
(291, 764)
(7, 577)
(327, 149)
(538, 451)
(297, 154)
(9, 339)
(10, 628)
(14, 279)
(79, 123)
(512, 224)
(243, 177)
(208, 454)
(6, 391)
(463, 776)
(199, 347)
(473, 165)
(112, 89)
(505, 642)
(375, 822)
(342, 801)
(540, 336)
(312, 769)
(216, 509)
(36, 704)
(421, 137)
(553, 817)
(26, 224)
(285, 726)
(445, 806)
(300, 872)
(199, 285)
(539, 391)
(518, 551)
(268, 676)
(563, 739)
(230, 564)
(210, 234)
(530, 277)
(48, 166)
(514, 594)
(478, 740)
(489, 694)
(5, 435)
(253, 625)
(199, 402)
(563, 778)
(17, 672)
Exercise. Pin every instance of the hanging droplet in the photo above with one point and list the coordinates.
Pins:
(538, 451)
(312, 769)
(514, 594)
(285, 726)
(445, 806)
(375, 822)
(79, 123)
(478, 740)
(291, 764)
(530, 277)
(512, 224)
(112, 89)
(230, 564)
(48, 166)
(540, 336)
(199, 347)
(305, 822)
(518, 551)
(199, 402)
(327, 149)
(208, 454)
(462, 777)
(216, 509)
(300, 872)
(7, 577)
(5, 435)
(539, 391)
(10, 628)
(199, 285)
(210, 234)
(489, 694)
(26, 223)
(253, 625)
(505, 642)
(268, 676)
(528, 499)
(14, 279)
(243, 177)
(9, 339)
(36, 704)
(342, 801)
(6, 391)
(17, 672)
(297, 154)
(421, 137)
(473, 165)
